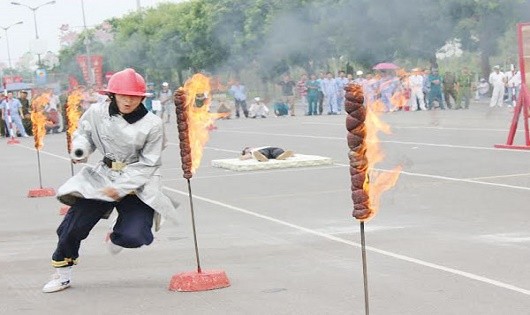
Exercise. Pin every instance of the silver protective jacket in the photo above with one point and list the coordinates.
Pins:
(138, 145)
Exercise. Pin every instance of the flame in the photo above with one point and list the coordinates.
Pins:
(376, 182)
(378, 105)
(73, 113)
(199, 119)
(399, 100)
(38, 118)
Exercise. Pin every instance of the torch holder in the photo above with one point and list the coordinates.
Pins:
(64, 210)
(41, 192)
(13, 140)
(193, 281)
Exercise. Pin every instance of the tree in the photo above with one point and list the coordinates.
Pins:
(480, 24)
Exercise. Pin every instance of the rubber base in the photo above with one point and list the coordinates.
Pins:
(199, 281)
(64, 210)
(41, 192)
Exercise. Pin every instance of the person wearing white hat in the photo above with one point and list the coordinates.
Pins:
(359, 79)
(166, 99)
(258, 109)
(497, 80)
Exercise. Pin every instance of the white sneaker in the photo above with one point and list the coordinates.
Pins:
(60, 280)
(111, 247)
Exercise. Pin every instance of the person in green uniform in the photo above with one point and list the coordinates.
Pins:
(464, 86)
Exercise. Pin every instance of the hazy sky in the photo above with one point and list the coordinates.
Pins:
(51, 17)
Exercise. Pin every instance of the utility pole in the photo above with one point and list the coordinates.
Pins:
(86, 41)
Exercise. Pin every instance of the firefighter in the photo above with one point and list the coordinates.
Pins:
(131, 141)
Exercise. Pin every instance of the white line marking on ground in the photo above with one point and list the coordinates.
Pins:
(506, 238)
(341, 240)
(369, 248)
(500, 176)
(231, 173)
(421, 127)
(464, 180)
(44, 152)
(211, 148)
(382, 141)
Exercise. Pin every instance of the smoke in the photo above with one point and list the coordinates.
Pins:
(357, 31)
(273, 37)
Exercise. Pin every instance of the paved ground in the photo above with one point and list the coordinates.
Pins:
(451, 238)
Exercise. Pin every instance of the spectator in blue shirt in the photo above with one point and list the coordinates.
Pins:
(237, 90)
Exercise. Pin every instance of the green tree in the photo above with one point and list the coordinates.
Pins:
(480, 25)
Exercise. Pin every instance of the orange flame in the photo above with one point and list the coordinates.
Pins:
(399, 99)
(38, 119)
(376, 182)
(73, 113)
(197, 90)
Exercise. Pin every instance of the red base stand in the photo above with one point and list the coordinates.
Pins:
(515, 147)
(522, 107)
(522, 104)
(41, 192)
(193, 281)
(64, 210)
(13, 141)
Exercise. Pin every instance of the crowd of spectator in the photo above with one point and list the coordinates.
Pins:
(322, 94)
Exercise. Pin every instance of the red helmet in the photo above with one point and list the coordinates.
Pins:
(126, 82)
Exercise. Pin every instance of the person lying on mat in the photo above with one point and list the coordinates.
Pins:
(263, 154)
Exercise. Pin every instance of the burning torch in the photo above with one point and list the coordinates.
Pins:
(193, 118)
(73, 114)
(38, 120)
(366, 185)
(72, 118)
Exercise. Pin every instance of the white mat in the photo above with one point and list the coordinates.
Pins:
(298, 160)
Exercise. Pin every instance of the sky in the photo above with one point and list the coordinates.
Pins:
(50, 17)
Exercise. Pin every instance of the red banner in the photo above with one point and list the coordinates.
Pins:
(96, 67)
(8, 79)
(72, 82)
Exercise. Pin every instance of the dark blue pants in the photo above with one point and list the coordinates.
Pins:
(132, 228)
(271, 152)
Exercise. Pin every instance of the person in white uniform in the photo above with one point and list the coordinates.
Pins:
(497, 80)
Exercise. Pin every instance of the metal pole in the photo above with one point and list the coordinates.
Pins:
(365, 271)
(193, 225)
(40, 176)
(86, 41)
(35, 22)
(7, 41)
(36, 31)
(8, 51)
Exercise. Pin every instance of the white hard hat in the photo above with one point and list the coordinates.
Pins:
(257, 99)
(359, 72)
(165, 84)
